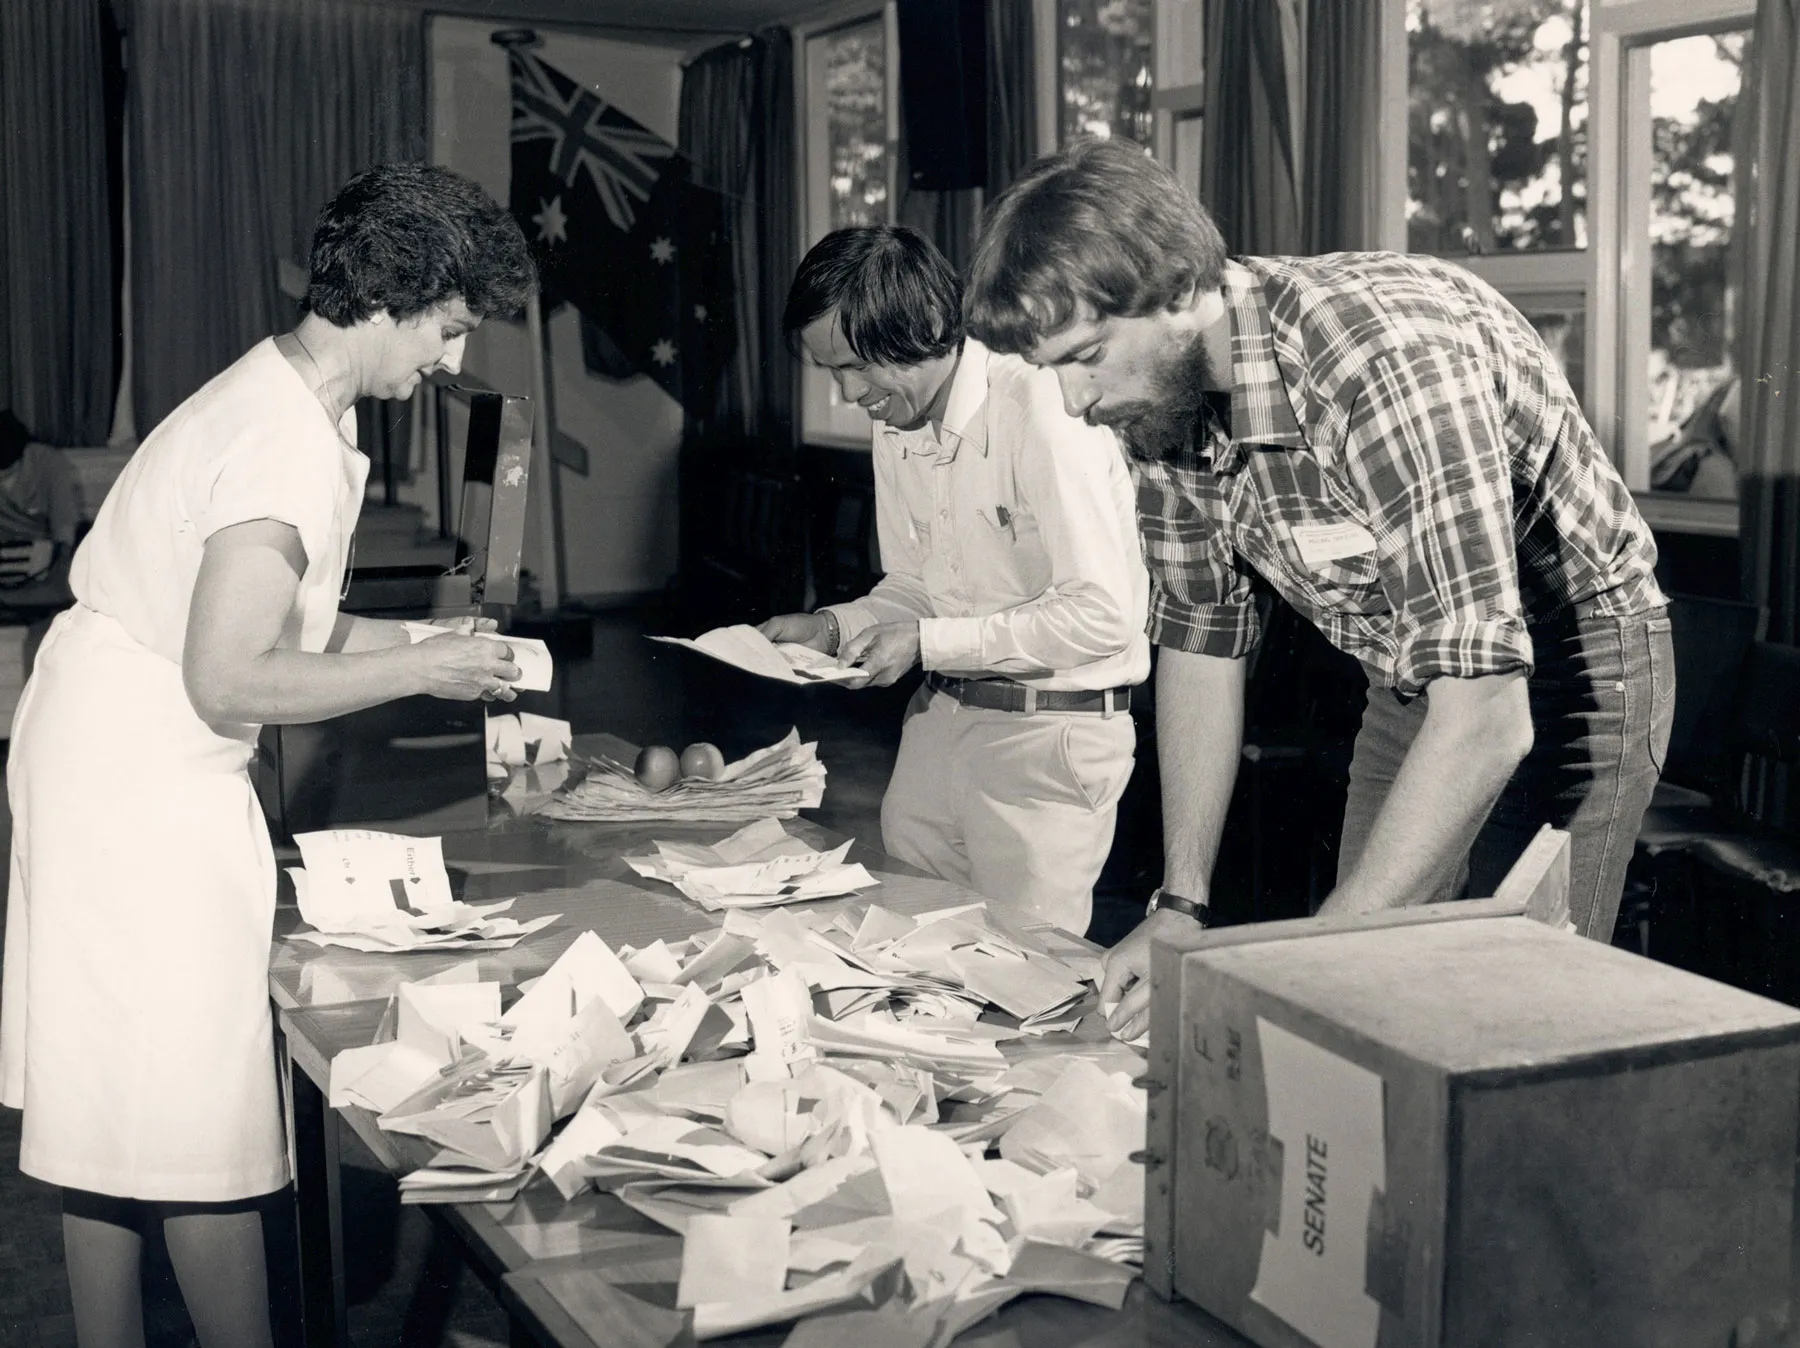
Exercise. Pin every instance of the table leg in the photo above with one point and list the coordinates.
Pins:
(318, 1213)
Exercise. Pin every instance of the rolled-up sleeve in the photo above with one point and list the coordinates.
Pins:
(1427, 453)
(1200, 591)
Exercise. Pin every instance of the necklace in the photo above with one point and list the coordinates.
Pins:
(323, 391)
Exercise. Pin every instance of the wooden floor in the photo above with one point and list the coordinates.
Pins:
(403, 1291)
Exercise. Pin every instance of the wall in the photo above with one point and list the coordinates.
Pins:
(619, 522)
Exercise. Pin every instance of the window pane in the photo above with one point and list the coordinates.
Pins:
(1104, 52)
(1694, 83)
(1564, 330)
(1496, 125)
(856, 95)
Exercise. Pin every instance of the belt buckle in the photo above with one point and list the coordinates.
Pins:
(1030, 707)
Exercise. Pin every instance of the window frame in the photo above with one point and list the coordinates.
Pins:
(824, 418)
(1612, 273)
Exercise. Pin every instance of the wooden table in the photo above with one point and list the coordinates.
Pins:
(331, 999)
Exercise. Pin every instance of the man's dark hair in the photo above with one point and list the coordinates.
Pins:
(898, 299)
(406, 237)
(1100, 223)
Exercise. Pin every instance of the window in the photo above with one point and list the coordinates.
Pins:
(1105, 68)
(1689, 411)
(855, 81)
(1496, 125)
(851, 121)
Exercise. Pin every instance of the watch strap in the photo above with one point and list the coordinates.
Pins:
(1162, 898)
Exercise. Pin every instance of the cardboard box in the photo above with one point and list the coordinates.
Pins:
(1452, 1127)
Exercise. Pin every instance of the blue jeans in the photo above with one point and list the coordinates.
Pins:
(1602, 701)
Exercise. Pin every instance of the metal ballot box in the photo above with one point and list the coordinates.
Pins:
(1455, 1127)
(418, 764)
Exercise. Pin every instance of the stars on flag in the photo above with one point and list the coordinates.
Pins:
(662, 250)
(663, 352)
(552, 223)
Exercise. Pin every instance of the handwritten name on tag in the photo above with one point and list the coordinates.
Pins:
(1323, 543)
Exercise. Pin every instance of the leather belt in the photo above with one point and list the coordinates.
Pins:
(1008, 695)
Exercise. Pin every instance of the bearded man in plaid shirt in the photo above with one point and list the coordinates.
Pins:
(1389, 444)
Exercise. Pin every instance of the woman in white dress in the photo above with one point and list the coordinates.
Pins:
(135, 1029)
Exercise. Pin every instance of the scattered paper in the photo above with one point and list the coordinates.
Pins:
(747, 649)
(532, 656)
(525, 739)
(761, 865)
(726, 1258)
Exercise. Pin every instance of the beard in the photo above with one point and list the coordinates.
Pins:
(1162, 425)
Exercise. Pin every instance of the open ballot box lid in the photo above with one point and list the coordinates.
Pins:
(1457, 1124)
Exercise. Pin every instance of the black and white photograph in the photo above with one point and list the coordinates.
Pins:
(900, 673)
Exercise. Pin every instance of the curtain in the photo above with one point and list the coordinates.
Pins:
(737, 131)
(247, 115)
(1339, 194)
(1769, 471)
(57, 316)
(1248, 165)
(953, 219)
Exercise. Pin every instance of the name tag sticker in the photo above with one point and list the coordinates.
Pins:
(1322, 543)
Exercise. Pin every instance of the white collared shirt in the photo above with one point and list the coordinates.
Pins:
(1011, 535)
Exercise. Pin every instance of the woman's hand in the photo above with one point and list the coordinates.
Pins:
(463, 668)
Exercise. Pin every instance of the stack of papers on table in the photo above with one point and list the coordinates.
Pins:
(785, 661)
(760, 865)
(777, 782)
(390, 892)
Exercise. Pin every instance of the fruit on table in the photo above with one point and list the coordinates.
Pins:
(702, 760)
(657, 767)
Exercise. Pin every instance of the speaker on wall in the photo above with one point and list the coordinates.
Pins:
(943, 92)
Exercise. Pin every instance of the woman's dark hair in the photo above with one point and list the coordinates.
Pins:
(1100, 223)
(406, 237)
(897, 298)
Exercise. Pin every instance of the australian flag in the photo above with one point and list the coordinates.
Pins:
(622, 233)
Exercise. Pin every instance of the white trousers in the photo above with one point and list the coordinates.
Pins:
(1018, 808)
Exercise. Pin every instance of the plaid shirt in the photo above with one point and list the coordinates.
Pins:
(1404, 463)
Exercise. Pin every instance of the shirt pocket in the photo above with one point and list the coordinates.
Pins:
(1334, 558)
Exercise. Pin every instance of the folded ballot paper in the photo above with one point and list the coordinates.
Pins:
(784, 661)
(760, 865)
(777, 782)
(388, 891)
(532, 656)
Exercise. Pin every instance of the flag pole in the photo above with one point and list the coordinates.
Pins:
(543, 467)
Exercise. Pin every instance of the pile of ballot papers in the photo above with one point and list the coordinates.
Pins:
(776, 782)
(853, 1121)
(388, 891)
(759, 866)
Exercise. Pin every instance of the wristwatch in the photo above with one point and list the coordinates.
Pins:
(833, 633)
(1162, 898)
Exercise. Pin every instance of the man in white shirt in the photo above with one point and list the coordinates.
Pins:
(1012, 573)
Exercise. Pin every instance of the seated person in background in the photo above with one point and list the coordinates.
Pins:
(1700, 457)
(39, 507)
(1008, 539)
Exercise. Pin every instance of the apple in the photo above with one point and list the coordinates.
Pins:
(657, 767)
(702, 760)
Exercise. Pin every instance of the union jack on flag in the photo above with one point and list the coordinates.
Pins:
(587, 134)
